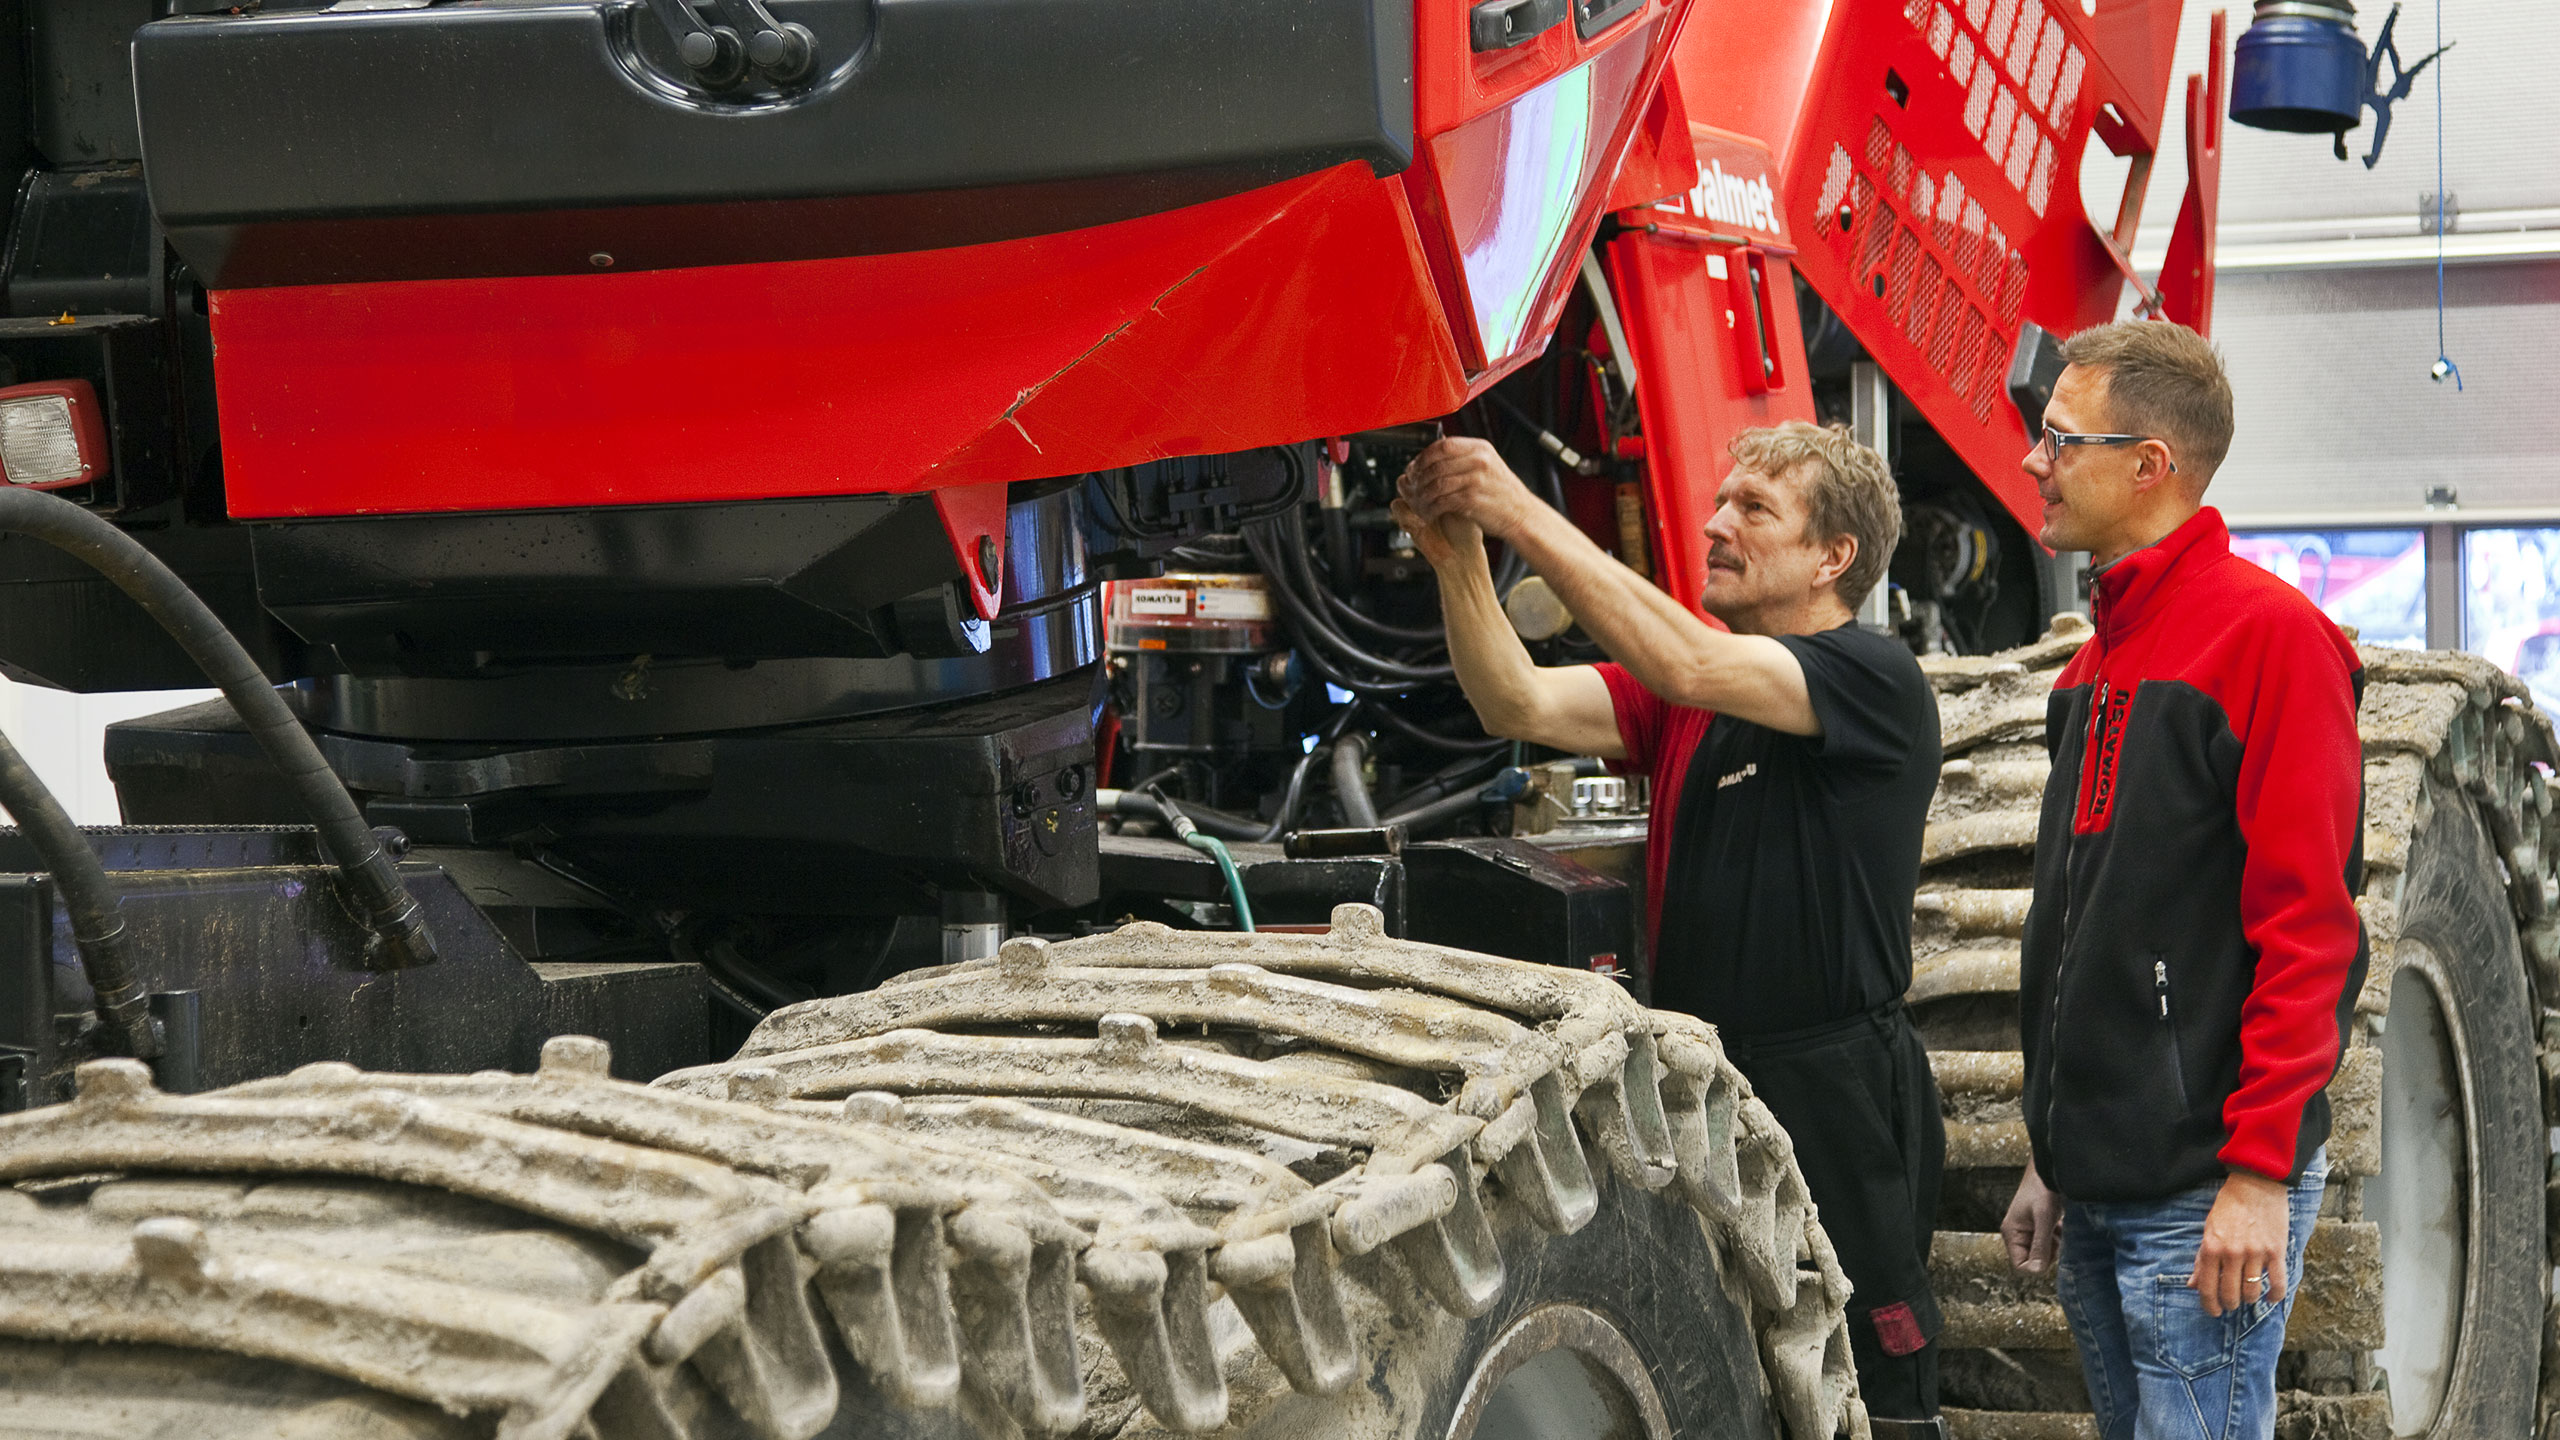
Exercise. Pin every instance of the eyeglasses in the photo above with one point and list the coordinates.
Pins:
(2050, 443)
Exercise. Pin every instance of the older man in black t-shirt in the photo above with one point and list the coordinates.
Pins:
(1794, 758)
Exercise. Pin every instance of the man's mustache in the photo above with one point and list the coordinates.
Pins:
(1723, 555)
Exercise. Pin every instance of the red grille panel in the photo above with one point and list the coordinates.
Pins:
(1938, 221)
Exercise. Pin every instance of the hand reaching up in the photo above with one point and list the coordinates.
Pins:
(1446, 543)
(1465, 477)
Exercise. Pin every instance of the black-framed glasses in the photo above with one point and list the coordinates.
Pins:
(2049, 444)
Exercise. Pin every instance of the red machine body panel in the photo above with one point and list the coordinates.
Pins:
(1933, 181)
(1690, 271)
(1321, 305)
(1047, 355)
(1745, 67)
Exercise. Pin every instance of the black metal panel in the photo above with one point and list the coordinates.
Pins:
(640, 620)
(774, 578)
(854, 817)
(645, 696)
(83, 83)
(63, 625)
(1614, 848)
(26, 991)
(1139, 871)
(1509, 897)
(1497, 897)
(83, 244)
(178, 847)
(655, 1014)
(524, 136)
(274, 958)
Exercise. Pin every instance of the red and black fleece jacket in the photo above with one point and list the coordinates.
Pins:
(2193, 952)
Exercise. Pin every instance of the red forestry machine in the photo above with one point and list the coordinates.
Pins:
(839, 549)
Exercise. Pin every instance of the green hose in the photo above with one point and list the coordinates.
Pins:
(1216, 849)
(1207, 844)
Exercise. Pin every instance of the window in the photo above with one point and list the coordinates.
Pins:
(2373, 581)
(2511, 603)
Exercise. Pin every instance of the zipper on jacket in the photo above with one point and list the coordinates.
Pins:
(2070, 853)
(2160, 981)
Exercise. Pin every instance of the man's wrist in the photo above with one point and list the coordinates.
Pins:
(1523, 523)
(2251, 1184)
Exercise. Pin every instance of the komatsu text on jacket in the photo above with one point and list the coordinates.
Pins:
(2193, 953)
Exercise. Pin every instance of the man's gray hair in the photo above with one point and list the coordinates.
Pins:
(1848, 490)
(2165, 380)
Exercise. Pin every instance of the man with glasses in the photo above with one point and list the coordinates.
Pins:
(2192, 955)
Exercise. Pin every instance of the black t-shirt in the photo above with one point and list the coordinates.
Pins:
(1793, 858)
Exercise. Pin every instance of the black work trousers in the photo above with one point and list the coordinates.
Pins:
(1860, 1104)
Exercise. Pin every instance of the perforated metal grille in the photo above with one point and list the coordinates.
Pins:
(1919, 239)
(2066, 90)
(2048, 65)
(1948, 325)
(2021, 75)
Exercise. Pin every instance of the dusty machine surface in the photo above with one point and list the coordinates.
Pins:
(2426, 1285)
(1137, 1183)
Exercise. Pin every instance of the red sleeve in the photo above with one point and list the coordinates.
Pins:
(1640, 717)
(2299, 802)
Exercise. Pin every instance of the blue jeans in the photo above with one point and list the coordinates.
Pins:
(2158, 1366)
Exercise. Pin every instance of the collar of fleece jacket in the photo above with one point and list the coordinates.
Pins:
(2125, 594)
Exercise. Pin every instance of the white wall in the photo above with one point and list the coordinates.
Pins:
(61, 735)
(2500, 150)
(2326, 306)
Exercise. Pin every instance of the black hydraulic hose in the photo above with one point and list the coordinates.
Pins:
(1552, 444)
(399, 928)
(1448, 807)
(1334, 675)
(1350, 787)
(1310, 639)
(1290, 797)
(1470, 774)
(1337, 546)
(97, 926)
(1411, 731)
(1437, 783)
(1303, 617)
(1225, 824)
(1295, 546)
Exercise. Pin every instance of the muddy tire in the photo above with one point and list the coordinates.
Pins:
(1620, 1331)
(2459, 1098)
(1147, 1182)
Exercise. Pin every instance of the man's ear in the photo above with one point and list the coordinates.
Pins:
(1837, 557)
(2153, 468)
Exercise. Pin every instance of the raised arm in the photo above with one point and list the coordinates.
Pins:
(1661, 642)
(1563, 707)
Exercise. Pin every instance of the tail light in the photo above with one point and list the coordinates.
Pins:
(52, 434)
